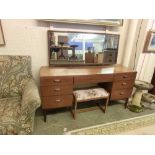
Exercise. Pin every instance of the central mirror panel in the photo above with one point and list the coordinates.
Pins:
(76, 48)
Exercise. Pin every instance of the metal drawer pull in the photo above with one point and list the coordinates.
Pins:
(125, 76)
(58, 100)
(121, 93)
(57, 80)
(124, 83)
(57, 89)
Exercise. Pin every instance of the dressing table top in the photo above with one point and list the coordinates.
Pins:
(46, 71)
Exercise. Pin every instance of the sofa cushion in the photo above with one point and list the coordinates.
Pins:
(15, 71)
(30, 99)
(10, 115)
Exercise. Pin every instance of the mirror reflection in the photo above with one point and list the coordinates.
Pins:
(82, 48)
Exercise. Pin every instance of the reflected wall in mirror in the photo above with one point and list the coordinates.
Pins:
(82, 48)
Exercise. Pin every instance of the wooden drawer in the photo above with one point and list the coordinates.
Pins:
(56, 90)
(93, 79)
(109, 57)
(46, 81)
(124, 76)
(120, 94)
(57, 101)
(123, 84)
(109, 61)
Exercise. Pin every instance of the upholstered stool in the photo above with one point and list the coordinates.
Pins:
(88, 95)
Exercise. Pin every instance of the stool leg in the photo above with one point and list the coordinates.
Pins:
(75, 107)
(107, 101)
(72, 109)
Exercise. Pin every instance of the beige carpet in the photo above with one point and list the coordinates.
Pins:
(116, 115)
(116, 127)
(148, 130)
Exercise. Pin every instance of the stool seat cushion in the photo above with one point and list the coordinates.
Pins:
(88, 94)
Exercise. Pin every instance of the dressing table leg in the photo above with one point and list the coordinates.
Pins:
(126, 103)
(44, 113)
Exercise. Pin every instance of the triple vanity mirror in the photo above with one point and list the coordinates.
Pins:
(78, 48)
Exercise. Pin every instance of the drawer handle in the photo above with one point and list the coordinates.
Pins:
(58, 100)
(125, 76)
(121, 93)
(57, 80)
(124, 83)
(57, 89)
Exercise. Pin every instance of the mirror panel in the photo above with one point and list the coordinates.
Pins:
(82, 48)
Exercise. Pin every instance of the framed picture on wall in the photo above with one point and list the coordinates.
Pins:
(2, 41)
(150, 42)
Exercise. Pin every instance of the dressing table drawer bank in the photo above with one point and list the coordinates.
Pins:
(122, 86)
(56, 92)
(57, 83)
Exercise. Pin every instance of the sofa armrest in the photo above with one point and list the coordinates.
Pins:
(30, 99)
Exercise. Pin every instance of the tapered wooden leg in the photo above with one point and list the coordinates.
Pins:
(44, 112)
(75, 107)
(126, 103)
(107, 101)
(72, 109)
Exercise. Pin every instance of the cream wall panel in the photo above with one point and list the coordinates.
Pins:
(146, 62)
(148, 69)
(130, 42)
(29, 37)
(123, 41)
(23, 37)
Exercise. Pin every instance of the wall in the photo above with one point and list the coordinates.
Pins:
(133, 55)
(29, 37)
(24, 37)
(130, 41)
(138, 42)
(146, 61)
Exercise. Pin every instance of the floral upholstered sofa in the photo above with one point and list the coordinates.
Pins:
(19, 96)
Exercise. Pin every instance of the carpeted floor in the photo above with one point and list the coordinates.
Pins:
(59, 119)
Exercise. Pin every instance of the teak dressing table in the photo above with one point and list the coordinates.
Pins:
(57, 83)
